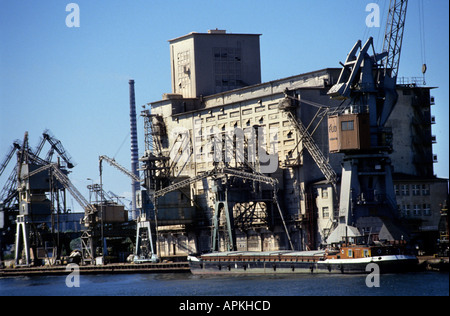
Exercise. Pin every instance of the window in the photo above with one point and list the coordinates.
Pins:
(234, 114)
(366, 253)
(406, 210)
(324, 194)
(425, 189)
(427, 210)
(416, 189)
(397, 189)
(350, 253)
(417, 210)
(325, 212)
(405, 189)
(336, 213)
(347, 126)
(183, 68)
(366, 231)
(227, 68)
(261, 108)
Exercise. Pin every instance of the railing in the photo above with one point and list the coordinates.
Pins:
(411, 81)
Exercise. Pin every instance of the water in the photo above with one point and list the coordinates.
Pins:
(185, 284)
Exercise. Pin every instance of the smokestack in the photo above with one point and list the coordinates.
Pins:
(135, 186)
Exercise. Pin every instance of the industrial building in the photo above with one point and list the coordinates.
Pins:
(217, 96)
(233, 163)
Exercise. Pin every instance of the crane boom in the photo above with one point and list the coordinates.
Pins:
(56, 145)
(114, 163)
(393, 37)
(217, 172)
(8, 157)
(313, 149)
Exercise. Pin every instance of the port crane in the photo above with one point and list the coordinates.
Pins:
(28, 198)
(25, 153)
(89, 219)
(369, 82)
(145, 228)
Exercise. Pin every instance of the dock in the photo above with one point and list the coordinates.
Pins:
(173, 267)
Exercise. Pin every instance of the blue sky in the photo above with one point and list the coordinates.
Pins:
(74, 81)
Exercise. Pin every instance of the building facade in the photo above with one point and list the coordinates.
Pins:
(219, 114)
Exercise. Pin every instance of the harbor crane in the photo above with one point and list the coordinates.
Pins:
(369, 82)
(33, 199)
(90, 211)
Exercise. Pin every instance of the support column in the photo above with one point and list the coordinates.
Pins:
(22, 240)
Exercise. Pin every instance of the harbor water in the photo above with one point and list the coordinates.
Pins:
(186, 284)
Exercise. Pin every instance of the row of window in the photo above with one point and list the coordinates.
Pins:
(406, 210)
(415, 210)
(402, 190)
(326, 213)
(414, 189)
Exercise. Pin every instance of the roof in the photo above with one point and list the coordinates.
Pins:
(211, 33)
(341, 231)
(293, 82)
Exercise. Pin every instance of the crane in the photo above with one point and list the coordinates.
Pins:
(8, 157)
(145, 250)
(218, 172)
(369, 82)
(115, 164)
(393, 37)
(58, 147)
(65, 181)
(26, 154)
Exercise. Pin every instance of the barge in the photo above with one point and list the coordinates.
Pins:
(345, 259)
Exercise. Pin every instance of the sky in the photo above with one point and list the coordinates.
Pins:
(74, 80)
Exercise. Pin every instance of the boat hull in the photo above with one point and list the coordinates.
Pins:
(385, 264)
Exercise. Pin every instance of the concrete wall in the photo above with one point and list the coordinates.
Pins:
(411, 127)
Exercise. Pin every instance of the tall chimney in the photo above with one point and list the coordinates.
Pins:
(135, 186)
